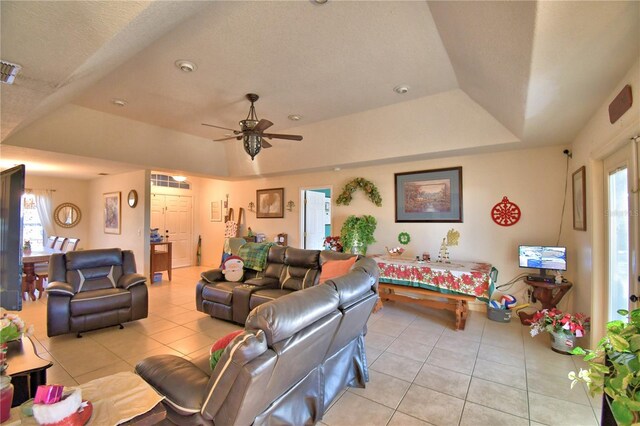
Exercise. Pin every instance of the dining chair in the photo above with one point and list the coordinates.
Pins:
(59, 243)
(72, 244)
(51, 241)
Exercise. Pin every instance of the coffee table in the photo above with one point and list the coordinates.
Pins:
(26, 368)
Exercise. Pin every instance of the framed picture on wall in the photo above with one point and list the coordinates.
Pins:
(270, 203)
(215, 214)
(579, 200)
(429, 195)
(112, 213)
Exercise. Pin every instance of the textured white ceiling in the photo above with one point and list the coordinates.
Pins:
(529, 73)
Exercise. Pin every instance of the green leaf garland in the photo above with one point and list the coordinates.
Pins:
(367, 186)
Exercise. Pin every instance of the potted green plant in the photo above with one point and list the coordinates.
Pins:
(614, 368)
(357, 233)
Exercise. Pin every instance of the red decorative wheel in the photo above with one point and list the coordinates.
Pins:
(505, 213)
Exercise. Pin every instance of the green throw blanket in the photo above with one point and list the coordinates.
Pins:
(254, 255)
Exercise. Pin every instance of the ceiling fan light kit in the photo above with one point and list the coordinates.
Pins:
(186, 66)
(252, 131)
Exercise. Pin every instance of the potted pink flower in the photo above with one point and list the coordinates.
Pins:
(564, 328)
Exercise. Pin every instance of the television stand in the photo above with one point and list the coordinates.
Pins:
(549, 295)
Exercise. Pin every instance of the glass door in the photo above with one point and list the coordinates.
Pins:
(620, 224)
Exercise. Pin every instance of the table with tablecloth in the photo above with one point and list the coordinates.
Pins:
(457, 281)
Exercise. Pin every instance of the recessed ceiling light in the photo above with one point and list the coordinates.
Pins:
(402, 89)
(119, 102)
(319, 1)
(295, 117)
(336, 169)
(186, 66)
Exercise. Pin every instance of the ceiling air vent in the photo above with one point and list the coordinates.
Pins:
(9, 71)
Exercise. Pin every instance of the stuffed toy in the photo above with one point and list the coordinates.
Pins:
(233, 268)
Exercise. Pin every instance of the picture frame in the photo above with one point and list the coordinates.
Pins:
(429, 195)
(112, 218)
(215, 212)
(270, 203)
(579, 191)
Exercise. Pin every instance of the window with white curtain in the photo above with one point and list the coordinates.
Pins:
(32, 229)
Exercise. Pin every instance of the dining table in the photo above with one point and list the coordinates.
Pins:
(31, 283)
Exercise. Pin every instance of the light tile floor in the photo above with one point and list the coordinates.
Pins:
(422, 371)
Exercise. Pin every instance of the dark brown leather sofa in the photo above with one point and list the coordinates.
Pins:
(93, 289)
(287, 269)
(295, 356)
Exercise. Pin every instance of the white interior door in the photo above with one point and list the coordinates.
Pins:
(314, 220)
(620, 225)
(172, 214)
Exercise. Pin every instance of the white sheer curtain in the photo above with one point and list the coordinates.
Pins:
(43, 205)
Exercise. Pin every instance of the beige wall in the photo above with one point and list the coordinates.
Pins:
(533, 179)
(135, 223)
(597, 140)
(67, 191)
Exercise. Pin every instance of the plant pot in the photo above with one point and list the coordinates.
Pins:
(562, 343)
(4, 347)
(358, 248)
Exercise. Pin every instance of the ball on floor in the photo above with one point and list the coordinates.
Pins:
(508, 301)
(495, 304)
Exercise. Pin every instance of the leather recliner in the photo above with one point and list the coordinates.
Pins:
(287, 269)
(93, 289)
(296, 354)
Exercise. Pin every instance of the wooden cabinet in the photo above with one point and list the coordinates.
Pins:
(161, 258)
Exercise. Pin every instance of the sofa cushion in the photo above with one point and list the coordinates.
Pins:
(91, 302)
(336, 268)
(302, 258)
(181, 382)
(285, 316)
(219, 346)
(352, 287)
(221, 292)
(262, 296)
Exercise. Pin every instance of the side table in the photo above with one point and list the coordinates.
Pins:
(26, 368)
(161, 258)
(549, 295)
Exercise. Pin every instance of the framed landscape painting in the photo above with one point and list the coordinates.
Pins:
(270, 203)
(112, 213)
(429, 195)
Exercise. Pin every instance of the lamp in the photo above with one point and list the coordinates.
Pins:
(252, 144)
(290, 205)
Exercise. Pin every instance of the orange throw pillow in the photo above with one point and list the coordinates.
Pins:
(336, 268)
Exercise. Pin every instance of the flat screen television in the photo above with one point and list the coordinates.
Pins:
(543, 257)
(11, 238)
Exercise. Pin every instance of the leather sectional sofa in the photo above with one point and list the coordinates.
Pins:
(92, 289)
(287, 270)
(296, 354)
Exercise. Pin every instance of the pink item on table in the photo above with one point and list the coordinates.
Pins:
(48, 394)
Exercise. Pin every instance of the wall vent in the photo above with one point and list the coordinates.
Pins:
(9, 71)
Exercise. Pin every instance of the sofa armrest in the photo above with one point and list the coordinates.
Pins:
(60, 289)
(265, 282)
(212, 276)
(129, 280)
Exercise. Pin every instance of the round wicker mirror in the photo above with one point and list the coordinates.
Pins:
(67, 215)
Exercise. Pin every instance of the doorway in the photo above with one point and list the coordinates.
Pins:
(315, 221)
(621, 228)
(172, 215)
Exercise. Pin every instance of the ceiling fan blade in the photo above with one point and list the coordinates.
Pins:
(289, 137)
(266, 144)
(223, 128)
(262, 126)
(227, 138)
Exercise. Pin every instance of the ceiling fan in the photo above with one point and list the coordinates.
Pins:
(252, 131)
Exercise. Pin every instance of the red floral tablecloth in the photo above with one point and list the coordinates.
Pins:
(469, 278)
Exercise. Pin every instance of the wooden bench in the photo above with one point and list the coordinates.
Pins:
(456, 303)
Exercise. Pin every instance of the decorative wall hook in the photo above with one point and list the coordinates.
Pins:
(252, 206)
(290, 205)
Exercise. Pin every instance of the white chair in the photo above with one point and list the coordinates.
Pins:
(59, 243)
(72, 244)
(51, 241)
